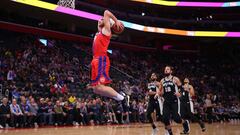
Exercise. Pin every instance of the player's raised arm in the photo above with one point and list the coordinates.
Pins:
(106, 20)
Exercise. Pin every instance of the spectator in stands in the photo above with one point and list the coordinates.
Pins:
(101, 115)
(27, 115)
(110, 113)
(68, 110)
(141, 112)
(93, 112)
(11, 75)
(134, 111)
(59, 114)
(42, 112)
(61, 100)
(72, 99)
(50, 113)
(118, 109)
(77, 115)
(83, 113)
(209, 108)
(5, 113)
(16, 114)
(222, 115)
(64, 89)
(235, 111)
(34, 111)
(15, 92)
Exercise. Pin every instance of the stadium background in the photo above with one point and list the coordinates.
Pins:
(45, 54)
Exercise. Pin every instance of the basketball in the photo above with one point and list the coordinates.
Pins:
(118, 30)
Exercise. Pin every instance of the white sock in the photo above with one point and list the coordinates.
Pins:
(119, 97)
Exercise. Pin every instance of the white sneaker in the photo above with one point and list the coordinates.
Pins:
(1, 127)
(77, 124)
(154, 131)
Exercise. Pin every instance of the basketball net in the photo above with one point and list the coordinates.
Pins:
(67, 3)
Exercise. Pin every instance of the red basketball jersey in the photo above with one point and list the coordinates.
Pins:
(100, 44)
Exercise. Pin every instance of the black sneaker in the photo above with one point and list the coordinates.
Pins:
(186, 127)
(203, 127)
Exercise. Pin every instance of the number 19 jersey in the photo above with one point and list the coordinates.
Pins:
(169, 89)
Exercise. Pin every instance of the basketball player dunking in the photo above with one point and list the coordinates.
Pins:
(100, 64)
(169, 89)
(153, 103)
(187, 108)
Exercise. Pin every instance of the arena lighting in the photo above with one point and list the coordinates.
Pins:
(110, 51)
(191, 4)
(91, 16)
(43, 41)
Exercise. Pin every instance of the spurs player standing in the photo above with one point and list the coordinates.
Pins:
(187, 108)
(153, 102)
(169, 89)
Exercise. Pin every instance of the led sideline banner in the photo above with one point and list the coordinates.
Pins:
(91, 16)
(191, 4)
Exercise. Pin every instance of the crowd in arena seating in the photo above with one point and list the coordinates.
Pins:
(47, 86)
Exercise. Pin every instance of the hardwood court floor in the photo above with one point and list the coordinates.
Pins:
(136, 129)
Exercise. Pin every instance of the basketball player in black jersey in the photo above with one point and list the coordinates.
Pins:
(153, 104)
(187, 108)
(169, 89)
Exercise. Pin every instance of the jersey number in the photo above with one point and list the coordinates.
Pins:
(168, 89)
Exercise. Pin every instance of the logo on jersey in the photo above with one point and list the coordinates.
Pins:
(102, 79)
